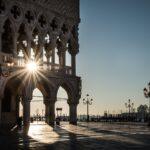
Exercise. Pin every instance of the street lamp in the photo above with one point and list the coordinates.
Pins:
(130, 106)
(87, 101)
(147, 95)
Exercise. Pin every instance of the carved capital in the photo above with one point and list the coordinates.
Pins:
(61, 48)
(64, 38)
(73, 101)
(41, 39)
(49, 100)
(73, 46)
(27, 91)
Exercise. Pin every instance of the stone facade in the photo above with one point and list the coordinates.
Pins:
(30, 29)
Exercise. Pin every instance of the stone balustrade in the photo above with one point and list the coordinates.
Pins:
(8, 62)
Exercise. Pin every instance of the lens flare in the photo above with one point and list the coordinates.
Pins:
(32, 66)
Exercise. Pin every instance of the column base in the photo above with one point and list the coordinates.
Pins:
(51, 123)
(26, 129)
(73, 122)
(73, 113)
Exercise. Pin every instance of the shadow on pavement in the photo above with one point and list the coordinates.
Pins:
(70, 141)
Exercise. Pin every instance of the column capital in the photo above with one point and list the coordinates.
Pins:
(41, 40)
(62, 43)
(26, 99)
(49, 100)
(73, 46)
(61, 47)
(16, 34)
(53, 36)
(29, 33)
(49, 48)
(52, 44)
(27, 91)
(70, 102)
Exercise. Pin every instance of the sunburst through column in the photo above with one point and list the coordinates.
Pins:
(32, 66)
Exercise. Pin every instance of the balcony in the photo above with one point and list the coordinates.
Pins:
(9, 63)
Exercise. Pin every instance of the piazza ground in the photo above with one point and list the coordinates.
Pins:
(89, 136)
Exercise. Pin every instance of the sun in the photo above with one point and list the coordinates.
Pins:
(32, 66)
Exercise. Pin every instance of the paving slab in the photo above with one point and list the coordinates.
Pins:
(88, 136)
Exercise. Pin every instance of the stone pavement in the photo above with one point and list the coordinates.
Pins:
(88, 136)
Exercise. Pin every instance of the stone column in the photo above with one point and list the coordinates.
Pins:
(28, 49)
(53, 46)
(46, 112)
(26, 115)
(0, 109)
(13, 103)
(50, 111)
(73, 50)
(62, 47)
(40, 52)
(73, 64)
(17, 106)
(73, 113)
(53, 59)
(29, 39)
(1, 32)
(0, 48)
(53, 56)
(0, 40)
(62, 57)
(15, 36)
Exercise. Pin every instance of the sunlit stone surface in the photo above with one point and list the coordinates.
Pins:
(43, 133)
(84, 136)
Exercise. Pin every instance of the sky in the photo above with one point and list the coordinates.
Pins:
(114, 57)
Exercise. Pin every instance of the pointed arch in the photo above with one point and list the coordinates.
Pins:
(22, 33)
(44, 88)
(37, 103)
(7, 37)
(22, 41)
(68, 88)
(61, 105)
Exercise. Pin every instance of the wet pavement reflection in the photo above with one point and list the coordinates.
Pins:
(87, 136)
